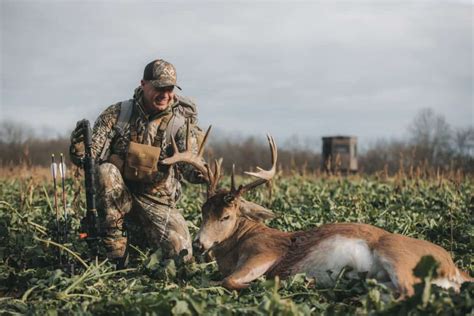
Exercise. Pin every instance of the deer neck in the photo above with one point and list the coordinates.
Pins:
(246, 232)
(251, 231)
(243, 229)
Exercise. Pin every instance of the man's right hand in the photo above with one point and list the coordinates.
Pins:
(77, 148)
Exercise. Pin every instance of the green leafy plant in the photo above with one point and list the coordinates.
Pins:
(33, 282)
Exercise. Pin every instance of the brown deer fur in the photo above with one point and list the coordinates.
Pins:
(246, 249)
(250, 249)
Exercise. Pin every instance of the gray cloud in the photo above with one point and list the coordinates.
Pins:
(307, 69)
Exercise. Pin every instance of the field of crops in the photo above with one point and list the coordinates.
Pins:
(32, 282)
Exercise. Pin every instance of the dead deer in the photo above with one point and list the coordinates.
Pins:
(246, 249)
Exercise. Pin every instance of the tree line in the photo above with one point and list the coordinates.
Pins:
(432, 143)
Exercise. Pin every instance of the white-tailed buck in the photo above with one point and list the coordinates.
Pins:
(246, 249)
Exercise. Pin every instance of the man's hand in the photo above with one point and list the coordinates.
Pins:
(77, 148)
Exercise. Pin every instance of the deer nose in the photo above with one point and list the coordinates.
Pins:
(197, 246)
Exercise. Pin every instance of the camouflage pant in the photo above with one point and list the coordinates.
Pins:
(162, 225)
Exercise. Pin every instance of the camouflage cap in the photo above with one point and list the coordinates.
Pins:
(161, 74)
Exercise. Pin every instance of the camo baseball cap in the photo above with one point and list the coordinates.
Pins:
(161, 74)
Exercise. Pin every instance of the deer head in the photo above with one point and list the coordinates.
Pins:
(223, 209)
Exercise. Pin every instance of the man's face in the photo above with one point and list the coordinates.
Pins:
(156, 99)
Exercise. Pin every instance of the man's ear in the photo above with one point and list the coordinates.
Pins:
(254, 211)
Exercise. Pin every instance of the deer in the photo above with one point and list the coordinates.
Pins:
(233, 231)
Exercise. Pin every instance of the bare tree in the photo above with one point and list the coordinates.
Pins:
(464, 141)
(433, 143)
(12, 132)
(431, 134)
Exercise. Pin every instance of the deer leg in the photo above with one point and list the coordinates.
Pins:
(247, 271)
(398, 261)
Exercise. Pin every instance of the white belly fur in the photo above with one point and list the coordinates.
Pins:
(455, 282)
(338, 252)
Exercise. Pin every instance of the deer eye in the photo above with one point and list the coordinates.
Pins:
(225, 218)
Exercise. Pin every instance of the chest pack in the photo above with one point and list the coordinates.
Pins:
(183, 110)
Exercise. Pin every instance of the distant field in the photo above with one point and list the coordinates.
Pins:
(439, 210)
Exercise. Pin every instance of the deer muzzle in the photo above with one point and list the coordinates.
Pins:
(197, 246)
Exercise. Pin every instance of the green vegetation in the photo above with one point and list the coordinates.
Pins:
(31, 282)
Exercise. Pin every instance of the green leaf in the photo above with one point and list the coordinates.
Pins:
(153, 261)
(181, 308)
(426, 268)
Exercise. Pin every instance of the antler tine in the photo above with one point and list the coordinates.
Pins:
(214, 176)
(204, 140)
(232, 180)
(217, 169)
(263, 175)
(173, 143)
(188, 141)
(210, 181)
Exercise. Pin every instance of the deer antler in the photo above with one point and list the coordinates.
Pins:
(262, 175)
(196, 160)
(214, 176)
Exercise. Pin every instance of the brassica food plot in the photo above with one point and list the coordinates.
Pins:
(42, 272)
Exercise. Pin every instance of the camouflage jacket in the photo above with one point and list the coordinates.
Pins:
(144, 129)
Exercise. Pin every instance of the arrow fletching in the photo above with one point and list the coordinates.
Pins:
(62, 168)
(54, 167)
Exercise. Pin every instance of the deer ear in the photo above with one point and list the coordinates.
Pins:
(254, 211)
(229, 198)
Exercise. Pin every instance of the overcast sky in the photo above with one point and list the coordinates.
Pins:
(289, 68)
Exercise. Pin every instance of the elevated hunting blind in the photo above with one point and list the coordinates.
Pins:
(339, 154)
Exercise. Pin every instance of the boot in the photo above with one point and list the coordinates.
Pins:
(117, 251)
(122, 262)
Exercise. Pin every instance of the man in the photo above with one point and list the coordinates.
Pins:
(130, 138)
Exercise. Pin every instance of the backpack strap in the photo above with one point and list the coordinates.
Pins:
(174, 125)
(185, 109)
(120, 127)
(123, 121)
